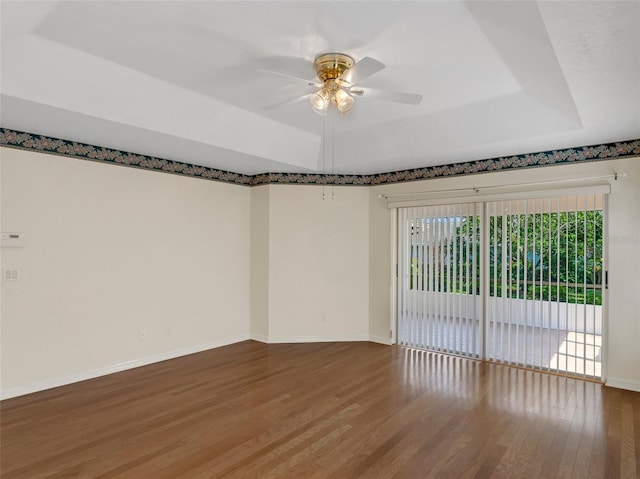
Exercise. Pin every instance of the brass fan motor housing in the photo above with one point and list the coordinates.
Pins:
(329, 66)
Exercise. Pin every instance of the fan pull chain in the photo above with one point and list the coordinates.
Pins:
(333, 157)
(324, 139)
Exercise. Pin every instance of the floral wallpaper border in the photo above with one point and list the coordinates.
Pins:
(55, 146)
(44, 144)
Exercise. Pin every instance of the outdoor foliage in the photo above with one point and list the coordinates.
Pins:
(544, 256)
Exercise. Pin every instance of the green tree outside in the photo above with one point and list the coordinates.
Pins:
(541, 256)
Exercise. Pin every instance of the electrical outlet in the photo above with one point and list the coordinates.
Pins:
(324, 317)
(143, 335)
(168, 331)
(11, 275)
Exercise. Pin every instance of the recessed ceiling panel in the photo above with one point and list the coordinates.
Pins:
(497, 78)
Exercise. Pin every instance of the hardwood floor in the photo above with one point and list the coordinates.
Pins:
(323, 410)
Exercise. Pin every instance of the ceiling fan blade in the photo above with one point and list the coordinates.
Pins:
(291, 77)
(361, 70)
(389, 95)
(288, 101)
(291, 65)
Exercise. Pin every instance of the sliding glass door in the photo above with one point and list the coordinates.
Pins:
(515, 281)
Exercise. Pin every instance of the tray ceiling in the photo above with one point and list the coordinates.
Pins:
(183, 80)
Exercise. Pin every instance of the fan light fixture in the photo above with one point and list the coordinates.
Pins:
(338, 75)
(330, 67)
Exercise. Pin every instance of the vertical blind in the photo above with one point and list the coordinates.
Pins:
(514, 281)
(545, 279)
(439, 278)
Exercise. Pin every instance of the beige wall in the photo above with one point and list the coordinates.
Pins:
(110, 252)
(623, 343)
(318, 264)
(260, 263)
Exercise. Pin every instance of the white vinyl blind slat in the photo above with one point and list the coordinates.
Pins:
(406, 241)
(532, 317)
(584, 287)
(571, 345)
(418, 283)
(417, 279)
(494, 311)
(402, 250)
(472, 324)
(447, 289)
(454, 282)
(558, 241)
(428, 279)
(441, 301)
(423, 278)
(480, 271)
(549, 284)
(525, 284)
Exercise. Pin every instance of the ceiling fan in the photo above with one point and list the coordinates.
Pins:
(338, 75)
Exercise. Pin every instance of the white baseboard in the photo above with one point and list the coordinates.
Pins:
(316, 339)
(260, 337)
(623, 384)
(135, 363)
(381, 340)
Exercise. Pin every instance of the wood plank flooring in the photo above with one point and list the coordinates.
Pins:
(323, 410)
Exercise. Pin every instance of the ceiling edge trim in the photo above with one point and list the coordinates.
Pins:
(44, 144)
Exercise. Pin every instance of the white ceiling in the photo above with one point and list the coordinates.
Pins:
(183, 80)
